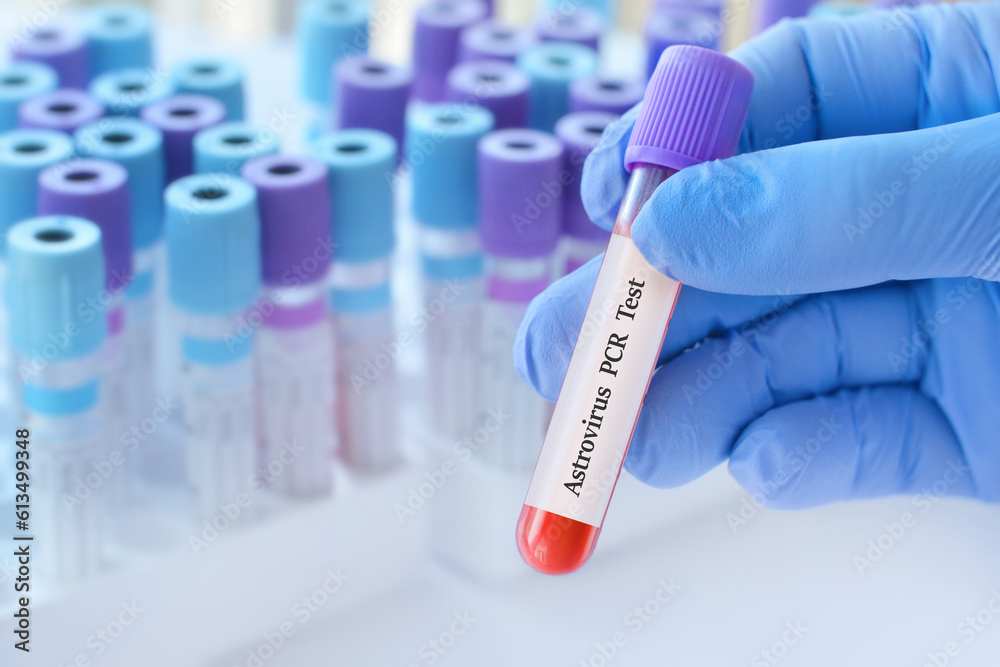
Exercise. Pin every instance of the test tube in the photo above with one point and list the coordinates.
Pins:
(327, 30)
(213, 260)
(138, 148)
(119, 36)
(493, 40)
(604, 8)
(20, 82)
(60, 47)
(57, 265)
(581, 25)
(125, 92)
(293, 348)
(552, 66)
(63, 110)
(361, 163)
(607, 93)
(226, 147)
(180, 118)
(770, 12)
(96, 190)
(439, 26)
(499, 87)
(372, 94)
(693, 111)
(677, 26)
(215, 77)
(445, 207)
(521, 185)
(582, 240)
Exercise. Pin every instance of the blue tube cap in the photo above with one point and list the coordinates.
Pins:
(20, 81)
(125, 92)
(362, 167)
(138, 147)
(55, 267)
(213, 245)
(119, 36)
(551, 67)
(328, 30)
(441, 149)
(215, 77)
(226, 147)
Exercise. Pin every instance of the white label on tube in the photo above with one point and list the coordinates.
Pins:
(604, 387)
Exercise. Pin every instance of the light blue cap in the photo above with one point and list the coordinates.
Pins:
(441, 149)
(215, 77)
(23, 155)
(54, 266)
(362, 165)
(836, 9)
(119, 36)
(605, 8)
(227, 147)
(138, 147)
(213, 244)
(20, 81)
(551, 67)
(125, 92)
(328, 30)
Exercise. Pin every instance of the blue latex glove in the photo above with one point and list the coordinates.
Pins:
(870, 179)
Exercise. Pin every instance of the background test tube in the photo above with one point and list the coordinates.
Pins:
(215, 77)
(119, 36)
(125, 92)
(57, 264)
(96, 190)
(835, 9)
(693, 111)
(770, 12)
(611, 94)
(673, 26)
(20, 82)
(445, 207)
(493, 40)
(581, 25)
(605, 8)
(372, 94)
(582, 240)
(521, 187)
(63, 110)
(213, 257)
(294, 346)
(226, 147)
(361, 163)
(180, 118)
(499, 87)
(552, 66)
(439, 26)
(60, 47)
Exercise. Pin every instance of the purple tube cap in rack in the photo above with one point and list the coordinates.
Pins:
(179, 118)
(65, 110)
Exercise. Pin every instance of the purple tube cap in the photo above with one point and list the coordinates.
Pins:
(294, 204)
(62, 48)
(493, 40)
(185, 113)
(581, 25)
(605, 93)
(580, 133)
(64, 110)
(439, 25)
(496, 85)
(96, 190)
(694, 109)
(521, 186)
(372, 94)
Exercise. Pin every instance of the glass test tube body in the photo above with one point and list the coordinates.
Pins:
(295, 369)
(217, 397)
(599, 403)
(511, 284)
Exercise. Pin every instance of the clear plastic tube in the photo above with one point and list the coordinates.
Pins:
(598, 406)
(140, 331)
(117, 385)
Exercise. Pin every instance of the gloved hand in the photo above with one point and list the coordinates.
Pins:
(869, 180)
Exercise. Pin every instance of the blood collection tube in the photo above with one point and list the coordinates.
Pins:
(56, 263)
(60, 47)
(226, 147)
(365, 348)
(493, 40)
(119, 36)
(64, 110)
(213, 260)
(445, 207)
(693, 111)
(582, 240)
(180, 118)
(581, 25)
(607, 93)
(215, 77)
(439, 26)
(675, 26)
(96, 190)
(20, 82)
(499, 87)
(125, 92)
(138, 148)
(372, 94)
(293, 348)
(552, 66)
(520, 207)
